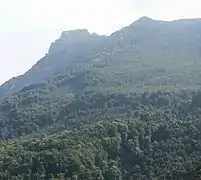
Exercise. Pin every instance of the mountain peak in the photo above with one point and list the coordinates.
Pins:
(145, 18)
(73, 39)
(73, 33)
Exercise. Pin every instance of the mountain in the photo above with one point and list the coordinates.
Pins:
(63, 53)
(119, 107)
(146, 53)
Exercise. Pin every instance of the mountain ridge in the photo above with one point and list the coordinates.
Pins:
(80, 46)
(119, 107)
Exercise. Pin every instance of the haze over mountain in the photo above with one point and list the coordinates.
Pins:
(119, 107)
(145, 46)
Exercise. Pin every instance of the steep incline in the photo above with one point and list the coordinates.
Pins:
(107, 108)
(146, 54)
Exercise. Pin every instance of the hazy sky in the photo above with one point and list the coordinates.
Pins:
(27, 27)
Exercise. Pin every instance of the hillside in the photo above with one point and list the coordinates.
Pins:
(125, 136)
(148, 54)
(65, 53)
(119, 107)
(121, 137)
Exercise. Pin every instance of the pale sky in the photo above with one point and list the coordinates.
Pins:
(27, 27)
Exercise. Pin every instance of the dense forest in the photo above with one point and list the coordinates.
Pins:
(120, 136)
(119, 107)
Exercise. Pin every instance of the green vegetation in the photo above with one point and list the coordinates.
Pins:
(123, 107)
(119, 136)
(147, 55)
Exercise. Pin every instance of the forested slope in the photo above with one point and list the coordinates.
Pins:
(119, 107)
(148, 54)
(120, 136)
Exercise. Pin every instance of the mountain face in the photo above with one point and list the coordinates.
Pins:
(119, 107)
(144, 49)
(71, 48)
